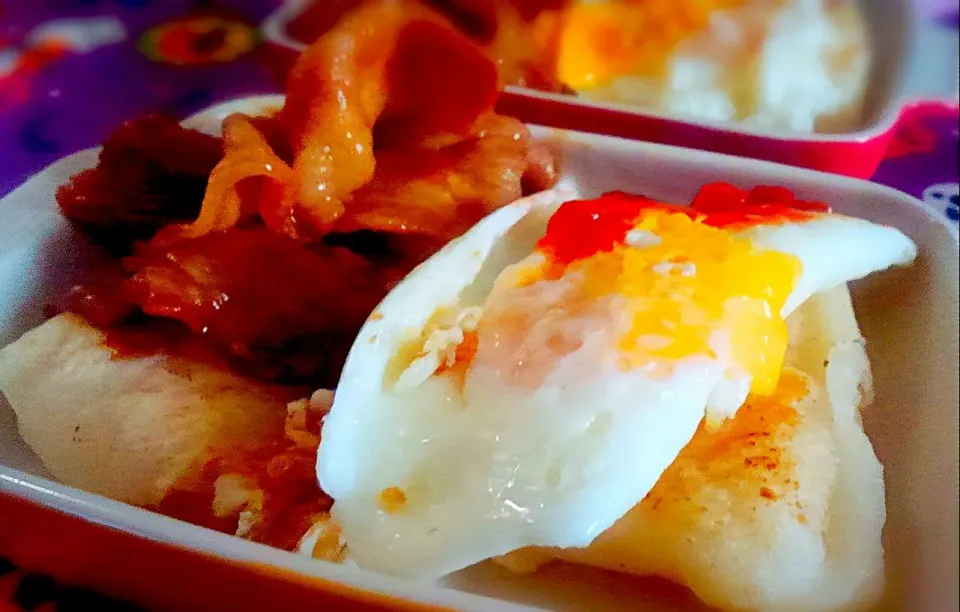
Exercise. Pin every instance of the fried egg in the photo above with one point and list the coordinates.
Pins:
(799, 65)
(529, 384)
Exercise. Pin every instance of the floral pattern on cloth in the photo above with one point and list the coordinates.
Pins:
(72, 70)
(944, 197)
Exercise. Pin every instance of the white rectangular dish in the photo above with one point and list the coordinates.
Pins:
(909, 317)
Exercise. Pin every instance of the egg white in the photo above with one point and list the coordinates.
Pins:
(496, 467)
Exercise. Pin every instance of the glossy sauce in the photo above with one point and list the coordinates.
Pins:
(728, 207)
(583, 228)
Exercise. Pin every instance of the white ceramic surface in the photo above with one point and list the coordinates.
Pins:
(909, 317)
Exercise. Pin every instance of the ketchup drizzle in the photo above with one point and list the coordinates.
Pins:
(582, 228)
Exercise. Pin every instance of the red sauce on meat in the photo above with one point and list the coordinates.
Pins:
(152, 172)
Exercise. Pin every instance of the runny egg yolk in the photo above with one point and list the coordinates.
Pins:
(688, 283)
(604, 40)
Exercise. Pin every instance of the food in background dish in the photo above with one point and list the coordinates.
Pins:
(799, 65)
(541, 376)
(795, 65)
(237, 271)
(521, 37)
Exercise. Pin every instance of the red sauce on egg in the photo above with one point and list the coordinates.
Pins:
(583, 228)
(726, 206)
